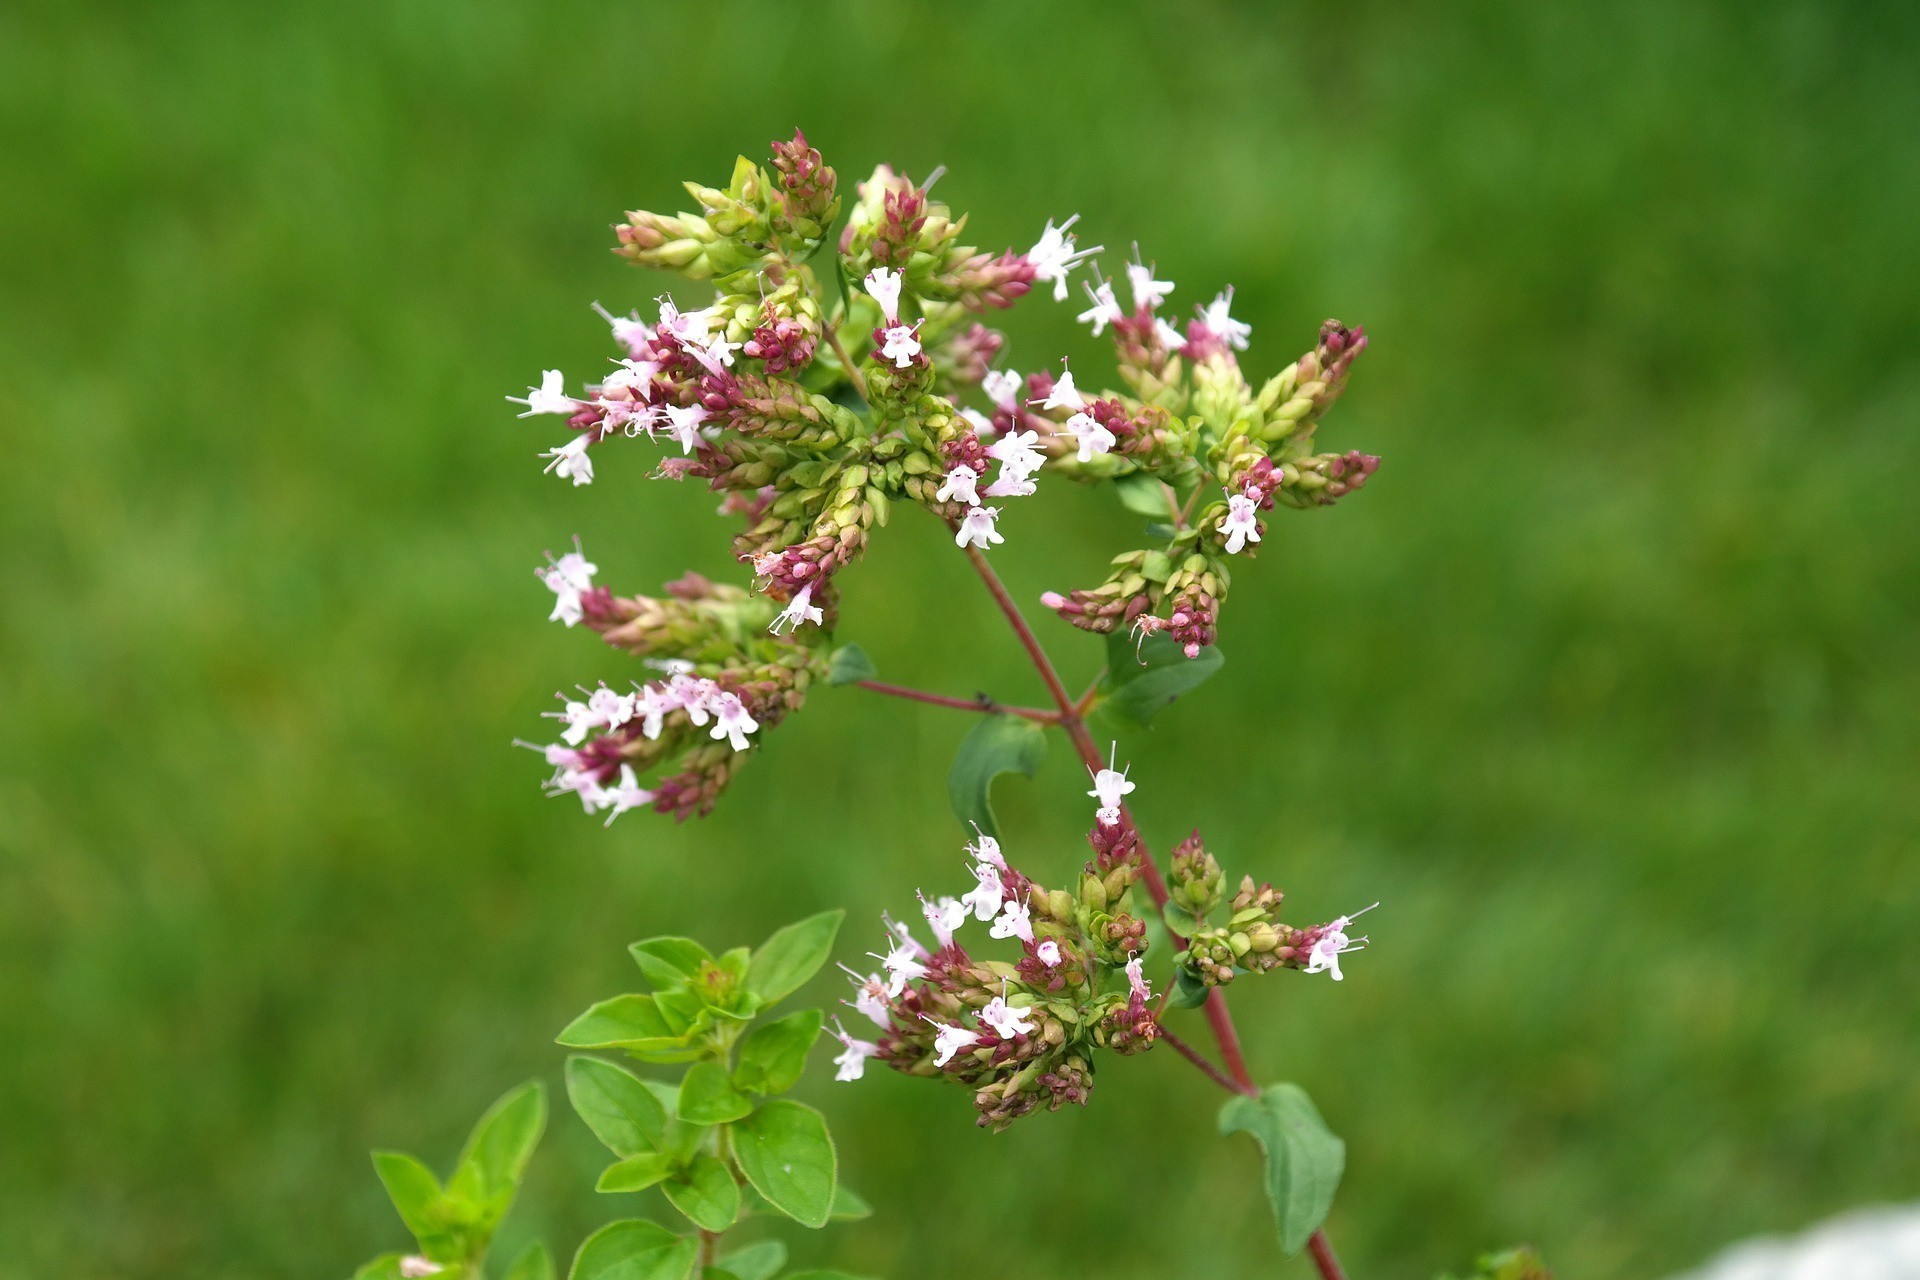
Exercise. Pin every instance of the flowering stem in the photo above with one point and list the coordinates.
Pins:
(979, 702)
(1219, 1018)
(1194, 1056)
(854, 375)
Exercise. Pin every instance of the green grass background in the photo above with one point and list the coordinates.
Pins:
(1606, 686)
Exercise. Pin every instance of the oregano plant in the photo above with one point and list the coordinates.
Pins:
(843, 370)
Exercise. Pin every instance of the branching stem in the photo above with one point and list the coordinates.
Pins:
(979, 702)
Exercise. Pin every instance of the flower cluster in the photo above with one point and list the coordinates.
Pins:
(724, 674)
(1253, 939)
(1020, 1034)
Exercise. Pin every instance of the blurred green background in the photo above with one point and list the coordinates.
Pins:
(1606, 686)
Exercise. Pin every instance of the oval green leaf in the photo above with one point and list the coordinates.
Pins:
(617, 1105)
(707, 1096)
(1304, 1158)
(850, 665)
(757, 1261)
(792, 955)
(706, 1193)
(997, 744)
(1144, 680)
(502, 1142)
(787, 1155)
(771, 1056)
(635, 1173)
(634, 1249)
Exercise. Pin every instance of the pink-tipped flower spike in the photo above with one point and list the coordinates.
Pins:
(549, 397)
(569, 578)
(902, 963)
(1148, 293)
(1109, 787)
(1323, 956)
(630, 331)
(1011, 484)
(959, 486)
(1137, 982)
(799, 609)
(1018, 452)
(1090, 434)
(977, 528)
(1054, 255)
(1241, 524)
(1048, 952)
(884, 287)
(949, 1040)
(1170, 338)
(986, 849)
(985, 897)
(683, 424)
(851, 1062)
(1105, 309)
(687, 327)
(732, 721)
(570, 461)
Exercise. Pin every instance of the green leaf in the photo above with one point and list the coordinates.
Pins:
(757, 1261)
(1143, 681)
(1188, 991)
(849, 1205)
(500, 1146)
(1304, 1158)
(772, 1055)
(670, 962)
(1143, 495)
(634, 1023)
(785, 1151)
(717, 1273)
(850, 665)
(997, 744)
(706, 1193)
(533, 1263)
(414, 1190)
(634, 1249)
(792, 955)
(635, 1173)
(708, 1097)
(616, 1104)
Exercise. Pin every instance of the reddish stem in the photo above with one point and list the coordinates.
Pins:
(1194, 1056)
(1218, 1016)
(980, 702)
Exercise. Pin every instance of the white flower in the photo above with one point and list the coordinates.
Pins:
(869, 995)
(1108, 787)
(1136, 980)
(1324, 956)
(684, 425)
(687, 326)
(580, 782)
(1054, 255)
(977, 528)
(944, 915)
(1105, 309)
(568, 578)
(949, 1040)
(852, 1060)
(986, 849)
(984, 899)
(1170, 338)
(1003, 388)
(902, 964)
(982, 425)
(1147, 292)
(549, 397)
(1241, 524)
(732, 721)
(899, 345)
(633, 376)
(610, 708)
(580, 721)
(959, 486)
(694, 695)
(1048, 952)
(715, 354)
(1011, 484)
(1006, 1021)
(1231, 331)
(414, 1266)
(625, 794)
(799, 609)
(651, 705)
(1017, 452)
(1090, 433)
(630, 331)
(570, 461)
(1063, 396)
(884, 285)
(1015, 921)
